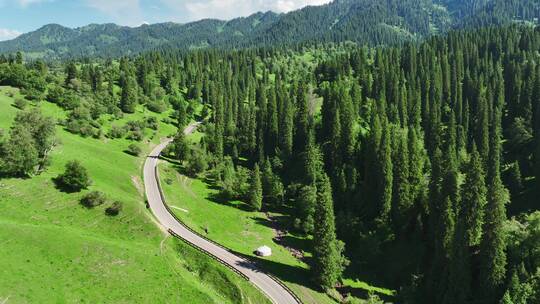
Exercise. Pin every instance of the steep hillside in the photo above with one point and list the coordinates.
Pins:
(54, 250)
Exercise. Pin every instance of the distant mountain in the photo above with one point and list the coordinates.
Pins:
(371, 22)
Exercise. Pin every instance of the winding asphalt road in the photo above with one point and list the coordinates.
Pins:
(275, 292)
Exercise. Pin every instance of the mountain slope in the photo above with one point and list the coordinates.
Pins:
(372, 22)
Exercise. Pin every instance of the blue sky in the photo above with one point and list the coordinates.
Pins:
(20, 16)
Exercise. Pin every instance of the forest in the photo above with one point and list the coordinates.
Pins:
(415, 166)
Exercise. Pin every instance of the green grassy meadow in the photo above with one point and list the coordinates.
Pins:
(53, 250)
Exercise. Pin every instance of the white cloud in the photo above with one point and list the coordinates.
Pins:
(227, 9)
(126, 12)
(7, 34)
(289, 5)
(25, 3)
(22, 3)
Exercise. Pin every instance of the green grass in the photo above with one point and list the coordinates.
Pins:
(230, 224)
(56, 251)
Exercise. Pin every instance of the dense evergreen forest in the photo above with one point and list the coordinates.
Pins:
(417, 167)
(366, 22)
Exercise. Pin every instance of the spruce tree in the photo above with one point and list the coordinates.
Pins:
(473, 199)
(459, 273)
(128, 99)
(328, 261)
(402, 200)
(303, 121)
(286, 129)
(536, 128)
(71, 72)
(255, 189)
(482, 125)
(272, 132)
(492, 247)
(385, 177)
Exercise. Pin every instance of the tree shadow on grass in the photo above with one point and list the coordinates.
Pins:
(218, 198)
(62, 187)
(297, 243)
(284, 272)
(176, 163)
(264, 222)
(211, 183)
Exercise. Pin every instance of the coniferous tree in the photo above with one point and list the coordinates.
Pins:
(71, 72)
(492, 247)
(328, 262)
(402, 200)
(286, 129)
(385, 178)
(255, 189)
(128, 100)
(459, 272)
(537, 144)
(272, 133)
(180, 146)
(303, 121)
(482, 125)
(417, 164)
(473, 200)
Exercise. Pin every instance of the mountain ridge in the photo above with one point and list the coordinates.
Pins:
(370, 22)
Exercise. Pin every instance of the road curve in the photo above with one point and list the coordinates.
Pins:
(275, 292)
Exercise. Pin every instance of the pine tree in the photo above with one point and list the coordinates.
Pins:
(180, 146)
(417, 161)
(286, 129)
(537, 136)
(71, 72)
(328, 262)
(272, 133)
(219, 130)
(459, 273)
(128, 100)
(385, 178)
(482, 126)
(303, 122)
(255, 189)
(402, 200)
(473, 199)
(492, 247)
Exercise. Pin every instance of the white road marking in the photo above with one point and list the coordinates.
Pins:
(181, 209)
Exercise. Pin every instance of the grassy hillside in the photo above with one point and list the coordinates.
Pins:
(56, 251)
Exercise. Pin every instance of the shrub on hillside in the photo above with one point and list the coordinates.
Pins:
(134, 150)
(20, 103)
(79, 121)
(93, 199)
(114, 209)
(157, 106)
(75, 177)
(117, 132)
(152, 123)
(136, 135)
